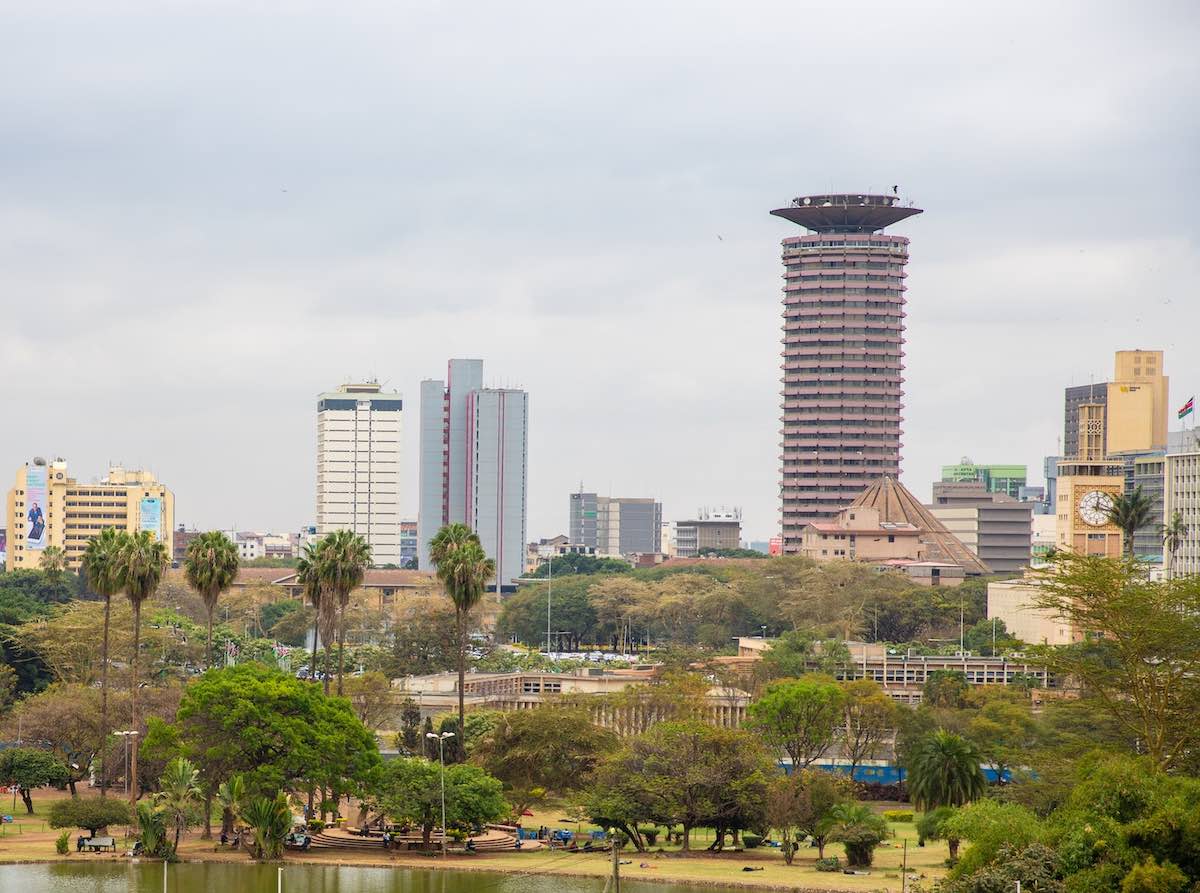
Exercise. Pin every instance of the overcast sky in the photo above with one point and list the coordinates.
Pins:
(210, 212)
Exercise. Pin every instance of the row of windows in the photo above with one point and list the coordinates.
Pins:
(792, 289)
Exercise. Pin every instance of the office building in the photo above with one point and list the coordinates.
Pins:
(993, 525)
(1085, 431)
(1136, 406)
(358, 466)
(1006, 479)
(1182, 496)
(843, 349)
(615, 526)
(474, 448)
(1146, 470)
(709, 530)
(48, 507)
(408, 544)
(1050, 470)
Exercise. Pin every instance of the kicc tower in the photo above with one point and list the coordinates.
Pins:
(843, 352)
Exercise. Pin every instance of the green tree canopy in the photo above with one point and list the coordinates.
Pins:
(551, 750)
(30, 769)
(578, 563)
(410, 790)
(278, 732)
(800, 716)
(92, 813)
(944, 771)
(523, 615)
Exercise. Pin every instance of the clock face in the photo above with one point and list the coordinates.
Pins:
(1094, 507)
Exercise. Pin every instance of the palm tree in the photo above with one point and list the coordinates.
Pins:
(211, 565)
(464, 569)
(1130, 512)
(231, 795)
(1173, 535)
(178, 794)
(53, 561)
(860, 829)
(308, 575)
(345, 557)
(270, 820)
(140, 564)
(945, 770)
(98, 567)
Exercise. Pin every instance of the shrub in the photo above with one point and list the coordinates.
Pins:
(316, 825)
(750, 841)
(898, 815)
(62, 843)
(650, 834)
(860, 830)
(1150, 877)
(833, 863)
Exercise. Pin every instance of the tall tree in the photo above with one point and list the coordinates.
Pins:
(29, 768)
(800, 716)
(1130, 512)
(99, 571)
(210, 565)
(1174, 532)
(345, 557)
(464, 569)
(1140, 661)
(869, 718)
(140, 564)
(945, 770)
(308, 575)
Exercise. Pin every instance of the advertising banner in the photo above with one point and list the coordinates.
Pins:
(35, 507)
(151, 510)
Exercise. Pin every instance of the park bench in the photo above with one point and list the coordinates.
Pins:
(99, 844)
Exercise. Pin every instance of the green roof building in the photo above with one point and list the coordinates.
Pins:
(1007, 479)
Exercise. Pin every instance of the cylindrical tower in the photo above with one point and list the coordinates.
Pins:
(843, 340)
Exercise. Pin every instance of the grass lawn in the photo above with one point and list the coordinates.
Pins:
(30, 839)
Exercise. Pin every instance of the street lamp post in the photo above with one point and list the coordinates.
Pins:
(441, 740)
(549, 589)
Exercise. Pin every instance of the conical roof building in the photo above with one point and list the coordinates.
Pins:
(896, 505)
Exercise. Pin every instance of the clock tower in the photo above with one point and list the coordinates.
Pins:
(1086, 490)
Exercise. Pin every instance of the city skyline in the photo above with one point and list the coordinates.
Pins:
(191, 260)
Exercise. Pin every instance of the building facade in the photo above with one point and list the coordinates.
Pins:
(408, 543)
(1182, 495)
(474, 465)
(843, 348)
(358, 466)
(993, 525)
(47, 507)
(1137, 403)
(615, 526)
(1014, 603)
(1085, 430)
(1086, 491)
(1006, 479)
(710, 530)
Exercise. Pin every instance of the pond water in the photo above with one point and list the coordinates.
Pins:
(226, 878)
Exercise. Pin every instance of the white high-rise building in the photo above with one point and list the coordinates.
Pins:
(474, 464)
(358, 466)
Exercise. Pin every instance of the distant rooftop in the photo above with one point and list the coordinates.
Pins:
(846, 212)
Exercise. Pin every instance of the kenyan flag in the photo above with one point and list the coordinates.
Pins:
(1187, 408)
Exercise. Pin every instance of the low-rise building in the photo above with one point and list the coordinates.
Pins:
(720, 529)
(1014, 603)
(1006, 479)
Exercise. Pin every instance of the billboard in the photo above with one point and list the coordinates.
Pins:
(150, 516)
(35, 507)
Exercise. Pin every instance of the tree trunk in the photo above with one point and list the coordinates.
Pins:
(27, 798)
(952, 843)
(328, 661)
(687, 838)
(133, 703)
(462, 675)
(312, 666)
(208, 642)
(208, 802)
(820, 842)
(177, 830)
(71, 788)
(426, 833)
(341, 636)
(104, 701)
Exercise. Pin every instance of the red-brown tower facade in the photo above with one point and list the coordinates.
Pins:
(843, 353)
